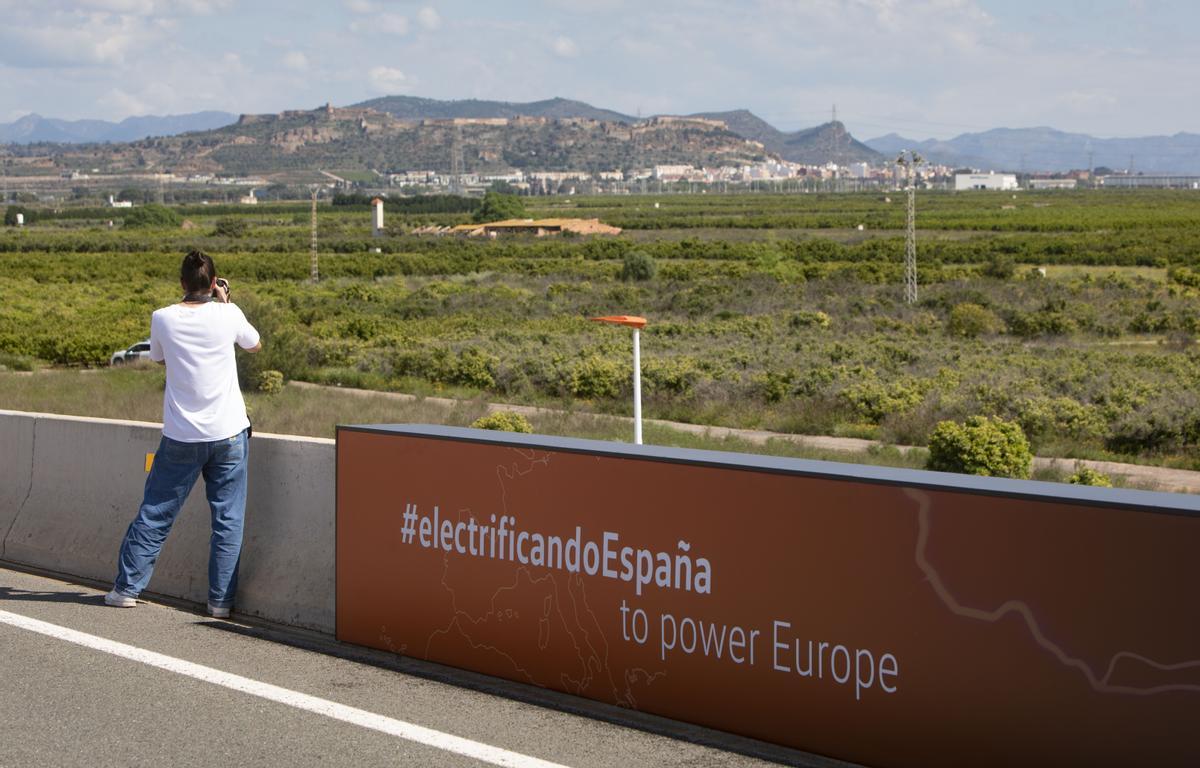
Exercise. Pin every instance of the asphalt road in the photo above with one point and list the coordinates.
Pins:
(63, 703)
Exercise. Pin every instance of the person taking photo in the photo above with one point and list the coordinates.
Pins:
(205, 432)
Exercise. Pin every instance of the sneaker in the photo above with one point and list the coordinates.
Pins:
(117, 600)
(217, 612)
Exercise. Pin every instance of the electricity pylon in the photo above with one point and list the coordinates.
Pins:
(456, 161)
(909, 163)
(313, 241)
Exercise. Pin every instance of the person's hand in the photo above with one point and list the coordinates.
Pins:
(221, 290)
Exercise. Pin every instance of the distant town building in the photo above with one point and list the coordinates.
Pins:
(118, 203)
(249, 199)
(512, 177)
(1052, 183)
(1001, 181)
(559, 175)
(671, 172)
(1125, 181)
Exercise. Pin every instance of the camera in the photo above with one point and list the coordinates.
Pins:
(223, 283)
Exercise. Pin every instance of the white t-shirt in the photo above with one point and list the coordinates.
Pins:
(202, 401)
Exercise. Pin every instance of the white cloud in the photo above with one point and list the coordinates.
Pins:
(428, 17)
(95, 39)
(127, 103)
(231, 63)
(203, 7)
(387, 23)
(565, 47)
(295, 61)
(388, 79)
(159, 8)
(142, 7)
(62, 33)
(392, 24)
(1093, 99)
(359, 6)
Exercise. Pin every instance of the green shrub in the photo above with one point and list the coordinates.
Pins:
(1043, 322)
(498, 207)
(269, 382)
(504, 421)
(806, 319)
(970, 320)
(676, 376)
(232, 226)
(774, 386)
(1000, 267)
(1048, 418)
(473, 368)
(1167, 423)
(595, 377)
(637, 266)
(873, 399)
(153, 215)
(1088, 476)
(1182, 276)
(980, 446)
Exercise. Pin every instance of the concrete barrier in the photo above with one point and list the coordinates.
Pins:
(16, 468)
(69, 487)
(800, 602)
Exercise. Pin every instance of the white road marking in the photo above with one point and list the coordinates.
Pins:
(359, 717)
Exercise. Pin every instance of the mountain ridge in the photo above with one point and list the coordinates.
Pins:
(362, 139)
(819, 144)
(420, 108)
(1045, 149)
(34, 128)
(1035, 149)
(815, 145)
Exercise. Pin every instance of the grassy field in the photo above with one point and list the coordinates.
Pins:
(766, 311)
(135, 393)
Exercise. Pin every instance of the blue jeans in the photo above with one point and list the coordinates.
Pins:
(174, 472)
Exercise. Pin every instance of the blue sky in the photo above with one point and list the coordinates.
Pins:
(921, 68)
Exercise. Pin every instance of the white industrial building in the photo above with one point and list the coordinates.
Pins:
(1052, 184)
(1001, 181)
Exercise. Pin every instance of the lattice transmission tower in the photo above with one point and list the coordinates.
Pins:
(456, 162)
(833, 149)
(315, 274)
(909, 161)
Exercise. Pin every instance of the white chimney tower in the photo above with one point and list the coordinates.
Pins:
(377, 217)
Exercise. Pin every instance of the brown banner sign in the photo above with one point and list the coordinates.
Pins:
(886, 617)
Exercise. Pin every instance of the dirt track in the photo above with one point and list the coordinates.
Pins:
(1134, 475)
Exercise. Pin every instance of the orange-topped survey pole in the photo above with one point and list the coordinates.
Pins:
(636, 323)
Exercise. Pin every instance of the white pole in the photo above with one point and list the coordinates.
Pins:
(637, 388)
